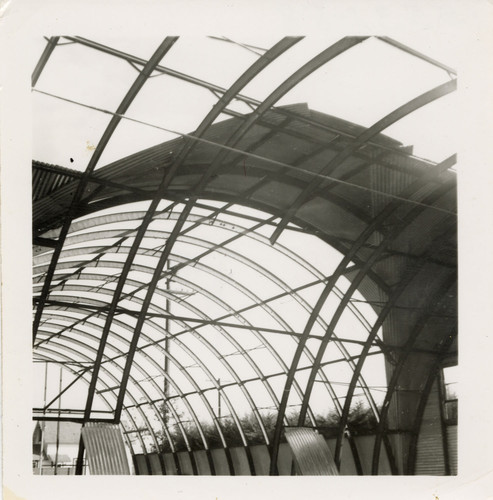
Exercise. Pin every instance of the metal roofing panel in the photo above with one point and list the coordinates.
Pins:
(311, 452)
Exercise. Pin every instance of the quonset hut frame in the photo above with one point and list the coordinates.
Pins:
(110, 244)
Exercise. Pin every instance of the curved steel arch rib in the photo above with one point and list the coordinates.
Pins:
(75, 355)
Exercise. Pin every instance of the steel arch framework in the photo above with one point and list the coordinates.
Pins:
(389, 215)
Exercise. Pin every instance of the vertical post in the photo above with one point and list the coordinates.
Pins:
(58, 422)
(442, 396)
(80, 458)
(218, 398)
(166, 340)
(43, 424)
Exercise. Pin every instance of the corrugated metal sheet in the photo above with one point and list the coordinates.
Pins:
(48, 178)
(240, 461)
(141, 468)
(311, 453)
(155, 464)
(261, 459)
(429, 458)
(105, 450)
(220, 462)
(452, 449)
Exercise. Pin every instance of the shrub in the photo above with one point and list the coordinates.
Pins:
(360, 421)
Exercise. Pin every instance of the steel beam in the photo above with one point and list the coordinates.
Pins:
(52, 42)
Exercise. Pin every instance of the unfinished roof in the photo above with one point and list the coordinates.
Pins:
(270, 259)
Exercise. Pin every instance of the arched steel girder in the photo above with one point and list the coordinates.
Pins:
(114, 378)
(190, 285)
(196, 262)
(335, 243)
(115, 120)
(76, 226)
(338, 243)
(419, 326)
(238, 134)
(122, 325)
(123, 234)
(145, 195)
(261, 303)
(151, 404)
(266, 177)
(198, 361)
(136, 430)
(276, 401)
(432, 377)
(377, 223)
(76, 288)
(225, 333)
(417, 54)
(205, 369)
(375, 129)
(403, 283)
(216, 222)
(334, 322)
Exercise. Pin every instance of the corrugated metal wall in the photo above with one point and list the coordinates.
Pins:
(261, 460)
(452, 448)
(430, 458)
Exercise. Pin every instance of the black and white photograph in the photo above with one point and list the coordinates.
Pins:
(244, 262)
